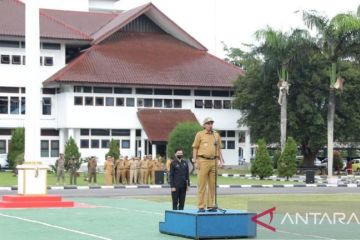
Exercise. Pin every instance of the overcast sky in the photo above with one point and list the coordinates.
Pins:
(235, 21)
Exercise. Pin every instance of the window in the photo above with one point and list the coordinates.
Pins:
(208, 104)
(48, 61)
(109, 101)
(202, 93)
(41, 61)
(99, 101)
(231, 133)
(9, 44)
(9, 89)
(158, 103)
(120, 132)
(146, 91)
(51, 46)
(49, 91)
(103, 90)
(6, 131)
(138, 132)
(217, 104)
(87, 89)
(168, 103)
(23, 90)
(227, 104)
(49, 132)
(222, 133)
(148, 102)
(105, 143)
(46, 106)
(24, 58)
(230, 144)
(14, 105)
(163, 91)
(84, 132)
(120, 102)
(2, 146)
(199, 103)
(182, 92)
(122, 90)
(130, 102)
(223, 144)
(177, 103)
(84, 143)
(16, 59)
(78, 100)
(94, 143)
(241, 137)
(54, 148)
(140, 102)
(44, 148)
(4, 102)
(89, 101)
(77, 89)
(100, 132)
(125, 144)
(220, 93)
(23, 105)
(5, 59)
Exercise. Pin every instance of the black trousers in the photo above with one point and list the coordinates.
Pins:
(178, 198)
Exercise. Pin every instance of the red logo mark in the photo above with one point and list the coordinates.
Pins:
(270, 212)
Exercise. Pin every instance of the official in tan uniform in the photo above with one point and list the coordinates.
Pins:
(143, 170)
(207, 153)
(132, 164)
(138, 177)
(92, 164)
(127, 169)
(109, 170)
(120, 167)
(117, 171)
(150, 169)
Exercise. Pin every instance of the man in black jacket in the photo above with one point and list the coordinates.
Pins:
(179, 180)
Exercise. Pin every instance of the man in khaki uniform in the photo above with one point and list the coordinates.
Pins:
(143, 170)
(92, 164)
(150, 170)
(132, 164)
(127, 169)
(138, 177)
(207, 153)
(109, 170)
(117, 171)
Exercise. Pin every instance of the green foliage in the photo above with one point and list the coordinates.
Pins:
(287, 162)
(17, 148)
(114, 150)
(72, 150)
(338, 163)
(262, 166)
(182, 136)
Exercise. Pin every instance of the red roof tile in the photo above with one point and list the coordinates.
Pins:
(148, 59)
(158, 123)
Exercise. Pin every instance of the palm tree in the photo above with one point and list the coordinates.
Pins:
(284, 47)
(337, 38)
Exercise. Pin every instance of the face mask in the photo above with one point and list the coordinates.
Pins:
(179, 156)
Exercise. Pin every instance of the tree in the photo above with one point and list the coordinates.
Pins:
(72, 150)
(16, 148)
(287, 162)
(262, 164)
(182, 136)
(337, 38)
(276, 157)
(114, 149)
(338, 163)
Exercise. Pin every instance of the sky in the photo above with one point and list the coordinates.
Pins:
(234, 22)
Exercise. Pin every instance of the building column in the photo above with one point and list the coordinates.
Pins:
(132, 142)
(142, 144)
(153, 151)
(71, 133)
(62, 140)
(247, 148)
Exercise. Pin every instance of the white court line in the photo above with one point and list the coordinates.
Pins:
(299, 234)
(131, 210)
(57, 227)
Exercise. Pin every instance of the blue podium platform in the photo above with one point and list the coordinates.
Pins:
(191, 224)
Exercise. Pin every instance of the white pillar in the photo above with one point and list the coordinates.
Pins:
(142, 143)
(132, 142)
(247, 148)
(153, 151)
(62, 140)
(33, 83)
(71, 133)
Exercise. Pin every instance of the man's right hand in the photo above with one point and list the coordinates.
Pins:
(173, 189)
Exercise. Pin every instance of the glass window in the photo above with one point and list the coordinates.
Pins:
(222, 133)
(99, 101)
(46, 106)
(89, 101)
(231, 133)
(223, 144)
(130, 102)
(5, 59)
(177, 103)
(125, 144)
(100, 132)
(199, 103)
(14, 105)
(163, 91)
(216, 93)
(241, 137)
(87, 89)
(49, 91)
(48, 61)
(202, 93)
(109, 101)
(208, 104)
(77, 89)
(78, 100)
(9, 44)
(120, 132)
(103, 90)
(44, 148)
(2, 146)
(9, 89)
(227, 104)
(217, 104)
(16, 59)
(148, 102)
(51, 46)
(140, 102)
(138, 132)
(122, 90)
(230, 144)
(182, 92)
(84, 132)
(49, 132)
(54, 148)
(84, 143)
(105, 143)
(168, 103)
(120, 102)
(158, 103)
(23, 105)
(94, 143)
(4, 102)
(146, 91)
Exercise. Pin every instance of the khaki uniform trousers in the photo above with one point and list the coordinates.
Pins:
(123, 175)
(133, 176)
(144, 176)
(206, 180)
(118, 176)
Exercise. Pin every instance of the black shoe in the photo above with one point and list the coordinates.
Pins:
(201, 210)
(212, 209)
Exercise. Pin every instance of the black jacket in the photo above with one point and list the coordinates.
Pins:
(179, 174)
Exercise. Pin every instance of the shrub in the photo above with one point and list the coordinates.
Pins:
(114, 150)
(262, 164)
(72, 150)
(16, 148)
(287, 162)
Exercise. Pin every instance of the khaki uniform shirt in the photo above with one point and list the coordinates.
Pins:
(208, 145)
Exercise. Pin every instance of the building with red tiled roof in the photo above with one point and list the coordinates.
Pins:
(129, 76)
